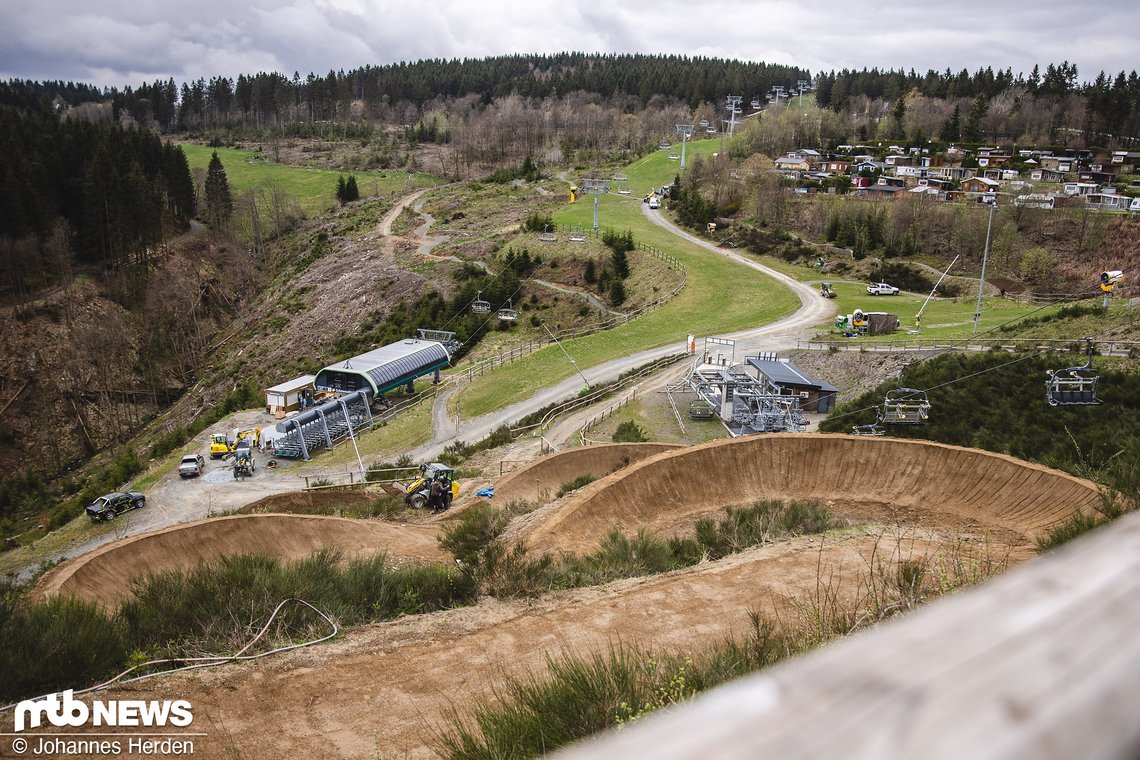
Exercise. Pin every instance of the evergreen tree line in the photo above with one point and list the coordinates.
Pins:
(118, 192)
(271, 98)
(1111, 103)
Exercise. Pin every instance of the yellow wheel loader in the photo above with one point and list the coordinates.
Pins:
(417, 494)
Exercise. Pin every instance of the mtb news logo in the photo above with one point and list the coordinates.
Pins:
(63, 710)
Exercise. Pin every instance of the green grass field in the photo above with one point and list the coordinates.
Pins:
(314, 189)
(720, 296)
(943, 318)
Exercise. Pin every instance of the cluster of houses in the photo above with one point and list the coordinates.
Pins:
(1071, 177)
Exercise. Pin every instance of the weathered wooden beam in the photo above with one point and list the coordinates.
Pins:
(1043, 662)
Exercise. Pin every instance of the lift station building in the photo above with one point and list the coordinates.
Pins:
(357, 382)
(385, 368)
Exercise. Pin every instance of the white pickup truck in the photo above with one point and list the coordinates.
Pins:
(882, 289)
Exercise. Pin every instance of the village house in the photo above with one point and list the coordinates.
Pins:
(1048, 175)
(1080, 188)
(975, 185)
(1108, 200)
(955, 173)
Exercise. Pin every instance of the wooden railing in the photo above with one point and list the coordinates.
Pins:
(1043, 662)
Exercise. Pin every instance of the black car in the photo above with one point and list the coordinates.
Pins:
(106, 507)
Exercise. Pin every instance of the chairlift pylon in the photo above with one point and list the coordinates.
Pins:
(1073, 386)
(479, 306)
(508, 313)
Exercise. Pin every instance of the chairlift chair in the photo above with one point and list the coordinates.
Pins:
(546, 235)
(508, 313)
(905, 406)
(577, 234)
(624, 190)
(479, 306)
(756, 104)
(872, 429)
(1074, 386)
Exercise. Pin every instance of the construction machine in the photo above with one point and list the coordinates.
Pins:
(417, 494)
(243, 459)
(220, 446)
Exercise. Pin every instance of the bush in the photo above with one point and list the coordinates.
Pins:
(575, 484)
(629, 432)
(55, 644)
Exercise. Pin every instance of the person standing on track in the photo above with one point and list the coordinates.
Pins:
(435, 497)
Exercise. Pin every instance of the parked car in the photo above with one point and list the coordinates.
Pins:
(110, 505)
(191, 466)
(654, 202)
(882, 289)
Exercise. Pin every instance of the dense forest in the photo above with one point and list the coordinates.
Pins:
(73, 191)
(1111, 104)
(274, 99)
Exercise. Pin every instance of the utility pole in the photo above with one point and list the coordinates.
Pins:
(985, 256)
(595, 187)
(684, 130)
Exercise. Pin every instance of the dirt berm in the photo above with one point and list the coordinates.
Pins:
(104, 575)
(542, 478)
(914, 482)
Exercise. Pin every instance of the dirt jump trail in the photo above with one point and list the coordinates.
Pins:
(541, 479)
(104, 575)
(384, 688)
(913, 482)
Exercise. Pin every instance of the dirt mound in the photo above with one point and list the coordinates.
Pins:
(104, 575)
(542, 478)
(915, 482)
(309, 502)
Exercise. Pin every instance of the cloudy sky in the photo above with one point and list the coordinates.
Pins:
(118, 42)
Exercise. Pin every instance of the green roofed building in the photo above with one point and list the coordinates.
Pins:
(384, 368)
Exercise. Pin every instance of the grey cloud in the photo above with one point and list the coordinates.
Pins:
(115, 42)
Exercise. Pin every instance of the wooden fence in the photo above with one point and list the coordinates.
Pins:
(1043, 662)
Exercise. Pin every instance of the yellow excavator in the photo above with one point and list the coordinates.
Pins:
(417, 494)
(222, 445)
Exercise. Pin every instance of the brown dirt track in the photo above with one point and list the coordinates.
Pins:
(103, 575)
(543, 477)
(380, 690)
(911, 482)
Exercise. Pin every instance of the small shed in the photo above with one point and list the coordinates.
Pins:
(286, 397)
(814, 395)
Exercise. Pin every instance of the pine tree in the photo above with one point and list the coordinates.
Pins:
(351, 191)
(591, 272)
(953, 128)
(617, 292)
(341, 190)
(978, 111)
(621, 263)
(219, 203)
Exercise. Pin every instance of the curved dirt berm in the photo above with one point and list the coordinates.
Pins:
(914, 481)
(541, 479)
(104, 575)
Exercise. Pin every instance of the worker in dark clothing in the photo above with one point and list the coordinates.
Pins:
(435, 498)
